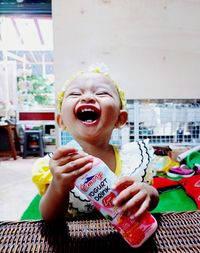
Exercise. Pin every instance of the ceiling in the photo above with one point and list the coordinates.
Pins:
(26, 33)
(28, 40)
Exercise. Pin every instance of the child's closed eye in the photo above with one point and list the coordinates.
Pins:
(73, 94)
(103, 93)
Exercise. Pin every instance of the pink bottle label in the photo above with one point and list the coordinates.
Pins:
(97, 186)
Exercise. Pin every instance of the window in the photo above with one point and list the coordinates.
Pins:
(26, 55)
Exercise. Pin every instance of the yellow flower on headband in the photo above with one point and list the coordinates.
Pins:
(97, 70)
(100, 69)
(60, 96)
(121, 96)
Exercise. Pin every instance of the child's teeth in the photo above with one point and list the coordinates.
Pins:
(87, 110)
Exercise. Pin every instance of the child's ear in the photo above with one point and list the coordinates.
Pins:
(122, 119)
(59, 121)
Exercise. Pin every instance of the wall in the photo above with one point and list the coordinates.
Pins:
(150, 46)
(8, 88)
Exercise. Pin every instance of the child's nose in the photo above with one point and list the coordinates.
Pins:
(88, 97)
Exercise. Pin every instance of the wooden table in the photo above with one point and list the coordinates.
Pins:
(9, 143)
(177, 232)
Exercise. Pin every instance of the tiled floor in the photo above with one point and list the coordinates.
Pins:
(16, 187)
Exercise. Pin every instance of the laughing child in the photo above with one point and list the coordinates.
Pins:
(90, 107)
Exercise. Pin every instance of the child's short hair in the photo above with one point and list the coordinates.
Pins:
(93, 69)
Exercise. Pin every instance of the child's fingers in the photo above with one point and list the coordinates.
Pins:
(123, 183)
(79, 172)
(133, 203)
(76, 164)
(68, 158)
(64, 182)
(125, 195)
(131, 197)
(60, 152)
(143, 208)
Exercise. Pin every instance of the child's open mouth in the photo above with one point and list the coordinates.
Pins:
(88, 113)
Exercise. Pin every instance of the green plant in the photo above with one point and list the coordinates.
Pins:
(36, 90)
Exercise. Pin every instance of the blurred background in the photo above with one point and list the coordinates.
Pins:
(150, 47)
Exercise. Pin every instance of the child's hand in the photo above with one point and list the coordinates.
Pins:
(134, 197)
(66, 165)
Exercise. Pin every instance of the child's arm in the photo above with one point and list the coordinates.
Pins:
(66, 166)
(136, 197)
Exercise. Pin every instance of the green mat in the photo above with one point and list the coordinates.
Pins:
(32, 212)
(173, 200)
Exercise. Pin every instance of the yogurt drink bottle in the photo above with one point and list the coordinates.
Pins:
(97, 184)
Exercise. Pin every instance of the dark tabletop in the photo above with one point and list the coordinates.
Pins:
(177, 232)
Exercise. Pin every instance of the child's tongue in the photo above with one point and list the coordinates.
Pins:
(88, 114)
